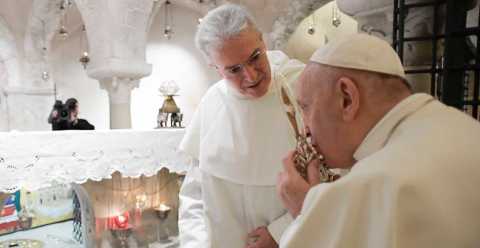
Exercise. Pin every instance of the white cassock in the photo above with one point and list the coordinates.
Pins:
(238, 144)
(415, 185)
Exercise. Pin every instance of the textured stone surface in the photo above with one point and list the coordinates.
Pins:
(29, 109)
(117, 32)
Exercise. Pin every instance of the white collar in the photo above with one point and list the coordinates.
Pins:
(381, 132)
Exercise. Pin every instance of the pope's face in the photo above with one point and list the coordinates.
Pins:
(321, 117)
(243, 62)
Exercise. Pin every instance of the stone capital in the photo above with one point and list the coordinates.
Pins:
(119, 89)
(117, 34)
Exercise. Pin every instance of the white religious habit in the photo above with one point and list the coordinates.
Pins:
(237, 145)
(415, 185)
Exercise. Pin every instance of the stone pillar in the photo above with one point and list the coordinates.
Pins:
(119, 91)
(27, 93)
(27, 98)
(117, 32)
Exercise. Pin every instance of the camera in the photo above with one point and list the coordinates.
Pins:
(63, 112)
(64, 116)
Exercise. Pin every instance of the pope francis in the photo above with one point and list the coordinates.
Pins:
(415, 163)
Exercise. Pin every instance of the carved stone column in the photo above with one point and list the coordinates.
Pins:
(119, 91)
(117, 33)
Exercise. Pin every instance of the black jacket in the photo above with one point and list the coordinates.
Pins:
(80, 124)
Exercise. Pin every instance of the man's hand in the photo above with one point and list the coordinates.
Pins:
(292, 187)
(261, 238)
(54, 114)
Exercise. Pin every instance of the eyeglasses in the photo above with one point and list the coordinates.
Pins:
(235, 70)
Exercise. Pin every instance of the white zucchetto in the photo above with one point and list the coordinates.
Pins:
(361, 52)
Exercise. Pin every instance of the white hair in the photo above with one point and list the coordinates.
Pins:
(220, 24)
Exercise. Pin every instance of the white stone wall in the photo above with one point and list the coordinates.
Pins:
(27, 97)
(29, 111)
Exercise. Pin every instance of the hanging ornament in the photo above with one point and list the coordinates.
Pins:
(311, 30)
(167, 32)
(336, 21)
(168, 19)
(311, 27)
(65, 4)
(45, 76)
(63, 32)
(84, 59)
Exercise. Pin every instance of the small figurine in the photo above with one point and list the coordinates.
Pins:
(176, 119)
(162, 118)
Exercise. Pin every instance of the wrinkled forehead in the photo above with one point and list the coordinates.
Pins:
(241, 44)
(235, 50)
(310, 81)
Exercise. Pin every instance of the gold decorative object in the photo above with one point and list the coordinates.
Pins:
(305, 152)
(169, 105)
(64, 6)
(63, 32)
(85, 59)
(169, 108)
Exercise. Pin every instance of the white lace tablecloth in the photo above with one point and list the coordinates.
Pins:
(34, 160)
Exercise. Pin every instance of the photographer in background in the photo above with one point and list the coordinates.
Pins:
(65, 116)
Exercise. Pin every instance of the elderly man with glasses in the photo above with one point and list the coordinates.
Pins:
(236, 139)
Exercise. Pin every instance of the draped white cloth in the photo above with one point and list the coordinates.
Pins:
(34, 160)
(415, 185)
(239, 144)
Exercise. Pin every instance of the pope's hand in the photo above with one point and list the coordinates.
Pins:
(261, 238)
(292, 187)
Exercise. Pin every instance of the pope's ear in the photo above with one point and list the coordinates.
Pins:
(350, 98)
